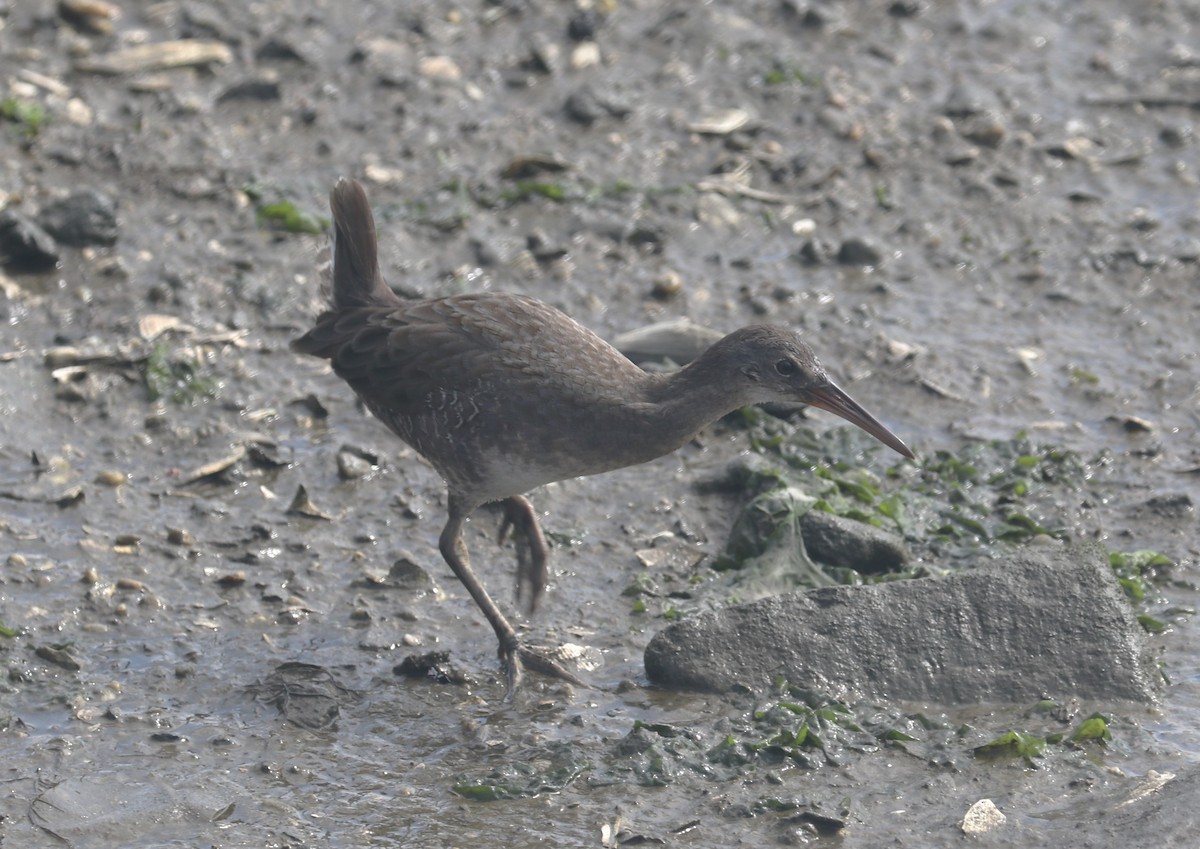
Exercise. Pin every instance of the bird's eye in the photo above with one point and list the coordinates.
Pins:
(785, 367)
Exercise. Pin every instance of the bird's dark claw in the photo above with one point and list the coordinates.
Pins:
(516, 658)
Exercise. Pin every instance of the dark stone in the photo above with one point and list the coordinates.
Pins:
(905, 8)
(1050, 622)
(406, 572)
(277, 50)
(543, 57)
(434, 665)
(586, 107)
(85, 218)
(839, 541)
(583, 107)
(805, 14)
(24, 246)
(251, 90)
(858, 251)
(583, 25)
(635, 742)
(487, 252)
(815, 252)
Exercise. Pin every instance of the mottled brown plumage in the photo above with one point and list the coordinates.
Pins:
(503, 393)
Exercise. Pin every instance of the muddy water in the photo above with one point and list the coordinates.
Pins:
(1026, 174)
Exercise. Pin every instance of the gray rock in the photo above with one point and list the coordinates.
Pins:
(85, 218)
(1152, 813)
(1049, 622)
(678, 340)
(839, 541)
(966, 99)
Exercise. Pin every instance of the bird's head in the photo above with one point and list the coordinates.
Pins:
(772, 364)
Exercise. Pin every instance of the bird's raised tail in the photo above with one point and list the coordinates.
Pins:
(357, 280)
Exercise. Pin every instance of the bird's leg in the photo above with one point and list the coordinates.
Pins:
(533, 555)
(512, 653)
(454, 551)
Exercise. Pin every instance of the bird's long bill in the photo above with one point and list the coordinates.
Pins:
(831, 397)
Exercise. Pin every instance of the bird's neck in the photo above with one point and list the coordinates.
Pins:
(695, 396)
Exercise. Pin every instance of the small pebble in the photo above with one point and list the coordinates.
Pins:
(1175, 136)
(982, 817)
(111, 477)
(90, 16)
(585, 55)
(583, 25)
(275, 49)
(583, 107)
(544, 56)
(91, 575)
(905, 8)
(131, 584)
(1143, 220)
(717, 211)
(302, 505)
(292, 616)
(351, 466)
(722, 122)
(815, 252)
(858, 251)
(260, 90)
(986, 130)
(804, 227)
(178, 536)
(58, 657)
(667, 285)
(440, 68)
(405, 570)
(965, 100)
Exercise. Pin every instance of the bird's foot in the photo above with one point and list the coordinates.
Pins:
(517, 657)
(533, 555)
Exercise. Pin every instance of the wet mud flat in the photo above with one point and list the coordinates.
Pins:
(983, 216)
